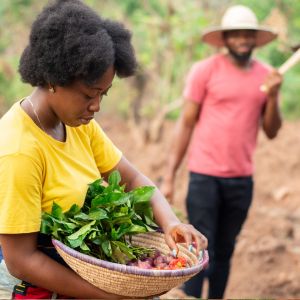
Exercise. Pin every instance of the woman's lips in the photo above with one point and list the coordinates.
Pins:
(86, 120)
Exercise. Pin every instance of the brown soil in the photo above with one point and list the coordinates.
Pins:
(266, 262)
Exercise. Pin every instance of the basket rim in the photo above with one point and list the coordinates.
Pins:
(202, 264)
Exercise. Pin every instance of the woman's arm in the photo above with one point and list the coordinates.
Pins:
(26, 262)
(174, 230)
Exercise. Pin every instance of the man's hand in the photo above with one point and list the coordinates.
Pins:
(272, 84)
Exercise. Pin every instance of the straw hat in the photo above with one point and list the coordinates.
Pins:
(238, 17)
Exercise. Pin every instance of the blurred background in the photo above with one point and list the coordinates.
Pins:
(139, 116)
(166, 35)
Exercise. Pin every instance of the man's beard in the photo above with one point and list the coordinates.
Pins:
(241, 58)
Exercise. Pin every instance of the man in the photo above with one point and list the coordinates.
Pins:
(224, 106)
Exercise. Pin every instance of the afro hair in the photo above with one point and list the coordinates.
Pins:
(69, 41)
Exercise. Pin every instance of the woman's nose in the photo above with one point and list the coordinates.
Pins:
(95, 104)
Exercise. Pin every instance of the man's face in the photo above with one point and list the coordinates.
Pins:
(240, 43)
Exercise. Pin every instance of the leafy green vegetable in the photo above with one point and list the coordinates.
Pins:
(101, 227)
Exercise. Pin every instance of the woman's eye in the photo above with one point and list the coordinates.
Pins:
(88, 97)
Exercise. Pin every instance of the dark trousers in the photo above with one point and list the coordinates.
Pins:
(217, 207)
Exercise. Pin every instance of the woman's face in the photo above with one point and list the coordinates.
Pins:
(77, 103)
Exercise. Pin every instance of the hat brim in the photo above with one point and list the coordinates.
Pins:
(214, 35)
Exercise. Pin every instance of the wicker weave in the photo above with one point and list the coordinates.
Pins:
(129, 280)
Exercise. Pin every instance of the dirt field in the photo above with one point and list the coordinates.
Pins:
(266, 263)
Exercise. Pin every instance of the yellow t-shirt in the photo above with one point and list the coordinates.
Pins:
(36, 169)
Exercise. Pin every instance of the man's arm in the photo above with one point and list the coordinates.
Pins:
(180, 141)
(272, 121)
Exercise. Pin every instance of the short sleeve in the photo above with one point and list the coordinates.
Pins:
(20, 194)
(196, 81)
(107, 155)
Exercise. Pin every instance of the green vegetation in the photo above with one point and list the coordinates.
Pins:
(166, 36)
(108, 216)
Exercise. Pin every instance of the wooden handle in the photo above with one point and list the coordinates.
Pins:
(290, 62)
(295, 58)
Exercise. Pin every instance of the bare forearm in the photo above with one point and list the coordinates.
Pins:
(272, 119)
(42, 271)
(164, 215)
(181, 139)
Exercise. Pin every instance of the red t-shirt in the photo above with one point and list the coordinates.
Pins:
(231, 107)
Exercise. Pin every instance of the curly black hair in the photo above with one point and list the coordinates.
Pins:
(69, 41)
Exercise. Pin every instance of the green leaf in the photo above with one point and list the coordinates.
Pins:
(106, 247)
(93, 235)
(68, 226)
(109, 200)
(121, 220)
(97, 214)
(134, 229)
(46, 224)
(55, 230)
(84, 247)
(127, 250)
(121, 231)
(144, 210)
(114, 178)
(57, 211)
(100, 200)
(75, 209)
(142, 194)
(81, 216)
(82, 231)
(94, 189)
(119, 255)
(74, 243)
(150, 221)
(121, 211)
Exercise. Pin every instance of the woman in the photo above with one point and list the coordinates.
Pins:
(51, 148)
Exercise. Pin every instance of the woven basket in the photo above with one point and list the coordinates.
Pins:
(130, 280)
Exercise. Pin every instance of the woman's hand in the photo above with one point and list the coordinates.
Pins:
(185, 233)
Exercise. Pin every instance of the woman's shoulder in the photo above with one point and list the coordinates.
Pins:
(15, 136)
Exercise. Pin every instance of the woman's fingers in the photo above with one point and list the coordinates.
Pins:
(186, 233)
(196, 239)
(200, 240)
(172, 244)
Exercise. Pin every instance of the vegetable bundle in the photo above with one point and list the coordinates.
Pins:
(108, 217)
